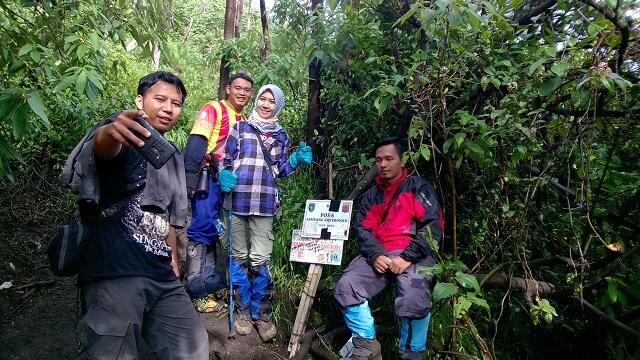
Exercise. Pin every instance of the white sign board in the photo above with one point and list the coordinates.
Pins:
(315, 251)
(327, 219)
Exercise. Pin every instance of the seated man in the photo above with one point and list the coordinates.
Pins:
(393, 223)
(129, 287)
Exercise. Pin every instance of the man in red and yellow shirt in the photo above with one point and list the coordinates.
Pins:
(205, 148)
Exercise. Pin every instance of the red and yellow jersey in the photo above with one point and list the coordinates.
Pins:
(215, 120)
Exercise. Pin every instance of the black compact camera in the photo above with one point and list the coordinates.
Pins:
(156, 149)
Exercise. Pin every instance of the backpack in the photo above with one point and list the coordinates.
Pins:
(66, 246)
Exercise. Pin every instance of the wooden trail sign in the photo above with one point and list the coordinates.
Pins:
(323, 220)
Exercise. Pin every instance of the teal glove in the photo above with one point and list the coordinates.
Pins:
(302, 156)
(227, 180)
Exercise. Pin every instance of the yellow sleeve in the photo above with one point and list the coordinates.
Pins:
(207, 119)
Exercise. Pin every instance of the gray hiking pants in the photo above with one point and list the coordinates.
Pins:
(119, 312)
(361, 282)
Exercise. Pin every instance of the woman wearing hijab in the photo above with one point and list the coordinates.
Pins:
(256, 155)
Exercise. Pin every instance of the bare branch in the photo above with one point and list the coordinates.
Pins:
(525, 17)
(621, 23)
(617, 324)
(529, 287)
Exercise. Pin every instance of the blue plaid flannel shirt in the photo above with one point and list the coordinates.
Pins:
(255, 193)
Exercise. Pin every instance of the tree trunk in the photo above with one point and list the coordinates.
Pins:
(238, 18)
(188, 31)
(155, 60)
(313, 109)
(229, 32)
(265, 31)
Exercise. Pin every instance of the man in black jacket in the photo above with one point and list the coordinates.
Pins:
(129, 287)
(397, 220)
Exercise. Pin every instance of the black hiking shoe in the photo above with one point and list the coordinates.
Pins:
(411, 355)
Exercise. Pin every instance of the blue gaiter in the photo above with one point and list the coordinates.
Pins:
(360, 321)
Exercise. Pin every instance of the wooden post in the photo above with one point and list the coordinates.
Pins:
(306, 301)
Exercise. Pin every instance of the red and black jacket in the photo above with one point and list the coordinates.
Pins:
(412, 218)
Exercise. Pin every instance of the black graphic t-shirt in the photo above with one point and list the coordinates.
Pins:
(131, 242)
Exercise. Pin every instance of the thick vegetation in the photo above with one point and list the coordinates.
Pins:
(524, 114)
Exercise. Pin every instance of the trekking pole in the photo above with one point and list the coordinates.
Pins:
(231, 326)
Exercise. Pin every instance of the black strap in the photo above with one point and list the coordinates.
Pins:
(266, 156)
(391, 201)
(120, 204)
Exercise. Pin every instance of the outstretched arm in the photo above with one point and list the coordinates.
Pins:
(110, 138)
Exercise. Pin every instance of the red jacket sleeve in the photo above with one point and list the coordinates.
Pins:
(368, 245)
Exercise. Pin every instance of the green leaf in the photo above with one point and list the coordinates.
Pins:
(550, 50)
(81, 51)
(35, 56)
(81, 82)
(369, 92)
(95, 79)
(36, 105)
(447, 145)
(546, 307)
(93, 37)
(536, 65)
(477, 301)
(593, 29)
(18, 120)
(16, 66)
(381, 104)
(467, 280)
(474, 147)
(434, 270)
(559, 69)
(459, 139)
(309, 42)
(607, 84)
(425, 152)
(25, 49)
(71, 38)
(393, 90)
(64, 83)
(92, 93)
(443, 291)
(622, 83)
(412, 10)
(461, 307)
(474, 19)
(612, 289)
(549, 86)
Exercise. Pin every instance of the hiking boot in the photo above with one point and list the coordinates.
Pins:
(411, 355)
(243, 325)
(266, 330)
(365, 349)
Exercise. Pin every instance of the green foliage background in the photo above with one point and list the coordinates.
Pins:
(506, 106)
